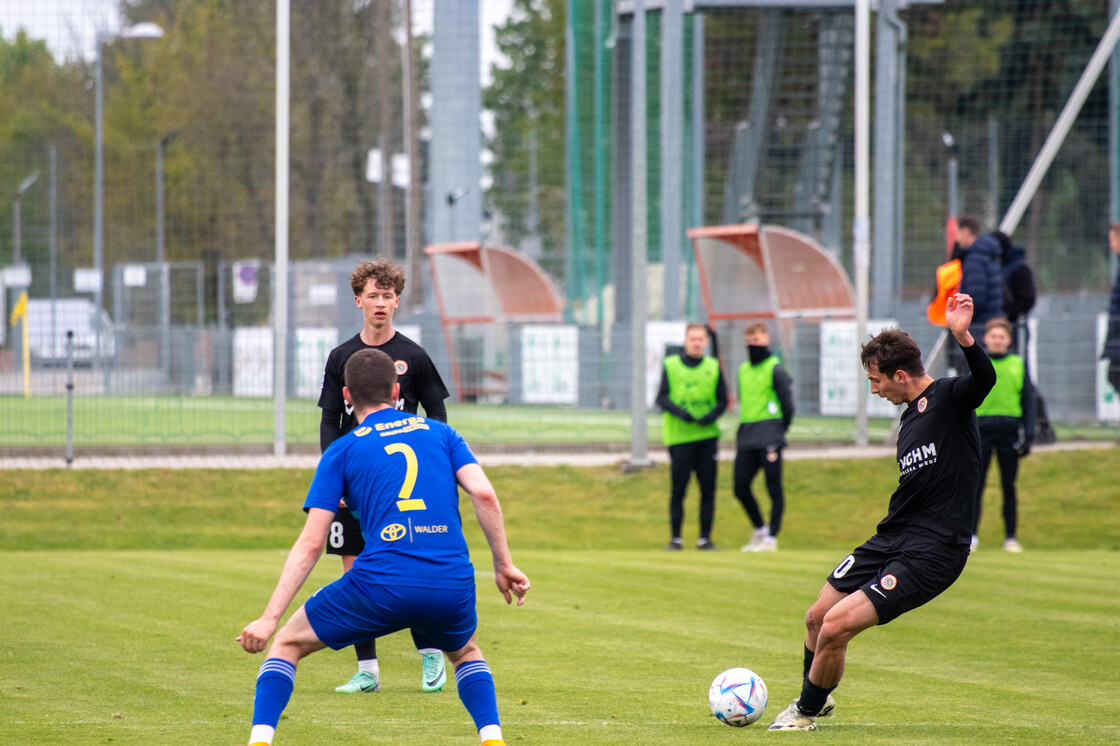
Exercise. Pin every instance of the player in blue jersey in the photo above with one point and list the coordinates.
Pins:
(400, 473)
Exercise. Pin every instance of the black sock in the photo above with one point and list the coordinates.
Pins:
(808, 664)
(367, 650)
(812, 698)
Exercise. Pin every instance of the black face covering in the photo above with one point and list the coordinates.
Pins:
(757, 354)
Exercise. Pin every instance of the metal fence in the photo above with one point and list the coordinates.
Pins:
(197, 385)
(157, 253)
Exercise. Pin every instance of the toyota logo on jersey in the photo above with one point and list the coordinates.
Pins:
(393, 532)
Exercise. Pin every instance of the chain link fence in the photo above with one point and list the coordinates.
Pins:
(176, 240)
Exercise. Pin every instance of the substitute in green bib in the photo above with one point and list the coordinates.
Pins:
(1006, 427)
(693, 395)
(765, 414)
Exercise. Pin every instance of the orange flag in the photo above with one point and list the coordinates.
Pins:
(948, 280)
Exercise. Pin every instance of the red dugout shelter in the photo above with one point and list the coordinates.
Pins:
(479, 289)
(767, 273)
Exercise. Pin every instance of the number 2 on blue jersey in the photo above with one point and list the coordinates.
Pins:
(406, 502)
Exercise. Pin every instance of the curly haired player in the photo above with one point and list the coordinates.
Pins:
(377, 287)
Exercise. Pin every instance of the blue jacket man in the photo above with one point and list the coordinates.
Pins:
(1019, 296)
(1112, 337)
(981, 275)
(1019, 293)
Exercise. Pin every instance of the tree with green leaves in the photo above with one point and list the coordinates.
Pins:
(526, 99)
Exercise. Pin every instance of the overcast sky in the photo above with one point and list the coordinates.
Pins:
(69, 26)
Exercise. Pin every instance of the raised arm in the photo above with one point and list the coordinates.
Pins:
(489, 512)
(958, 317)
(981, 377)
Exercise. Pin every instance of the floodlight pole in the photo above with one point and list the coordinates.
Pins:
(861, 229)
(639, 280)
(53, 242)
(161, 262)
(1113, 138)
(954, 202)
(280, 286)
(410, 111)
(672, 144)
(98, 210)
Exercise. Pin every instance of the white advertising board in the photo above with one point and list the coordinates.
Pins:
(550, 364)
(135, 275)
(412, 331)
(659, 335)
(252, 361)
(841, 373)
(312, 348)
(17, 276)
(86, 280)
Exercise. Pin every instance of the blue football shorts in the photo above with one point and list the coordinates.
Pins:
(346, 612)
(900, 572)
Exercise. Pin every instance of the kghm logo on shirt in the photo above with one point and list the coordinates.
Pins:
(917, 458)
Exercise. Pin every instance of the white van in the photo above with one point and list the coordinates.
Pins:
(48, 345)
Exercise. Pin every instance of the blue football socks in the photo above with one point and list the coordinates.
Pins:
(476, 690)
(274, 688)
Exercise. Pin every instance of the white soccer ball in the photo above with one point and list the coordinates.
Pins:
(737, 697)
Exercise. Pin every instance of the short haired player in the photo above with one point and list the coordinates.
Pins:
(377, 287)
(402, 474)
(921, 546)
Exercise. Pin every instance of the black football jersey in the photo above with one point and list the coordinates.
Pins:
(420, 382)
(939, 456)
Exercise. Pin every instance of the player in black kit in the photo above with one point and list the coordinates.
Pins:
(920, 548)
(377, 290)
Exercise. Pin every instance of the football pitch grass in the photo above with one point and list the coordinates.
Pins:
(123, 593)
(108, 421)
(121, 421)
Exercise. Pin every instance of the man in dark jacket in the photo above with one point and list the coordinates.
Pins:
(1112, 337)
(1019, 292)
(1019, 296)
(981, 277)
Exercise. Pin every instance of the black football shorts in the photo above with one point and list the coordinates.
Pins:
(900, 572)
(345, 537)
